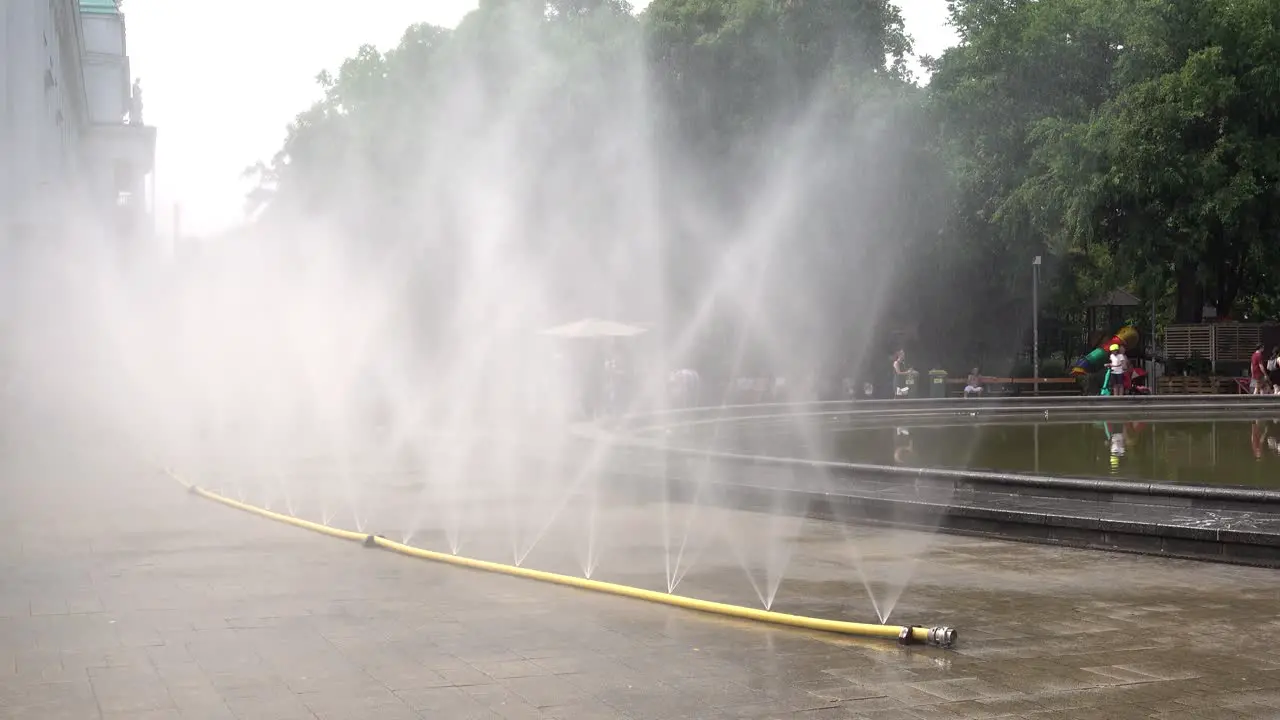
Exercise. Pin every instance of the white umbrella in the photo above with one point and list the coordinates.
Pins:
(593, 328)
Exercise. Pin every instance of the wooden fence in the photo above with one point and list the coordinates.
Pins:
(1192, 385)
(1216, 343)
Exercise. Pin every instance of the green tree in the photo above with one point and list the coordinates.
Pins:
(1176, 174)
(1017, 63)
(1128, 143)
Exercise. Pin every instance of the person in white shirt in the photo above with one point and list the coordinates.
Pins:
(973, 386)
(1116, 368)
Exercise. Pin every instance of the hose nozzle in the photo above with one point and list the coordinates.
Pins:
(941, 636)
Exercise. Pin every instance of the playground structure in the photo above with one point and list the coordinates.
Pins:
(1127, 338)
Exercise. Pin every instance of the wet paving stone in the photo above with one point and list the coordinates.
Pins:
(122, 596)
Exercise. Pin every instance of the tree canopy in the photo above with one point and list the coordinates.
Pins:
(774, 165)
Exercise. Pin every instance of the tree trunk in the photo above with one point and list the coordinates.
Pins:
(1230, 281)
(1190, 295)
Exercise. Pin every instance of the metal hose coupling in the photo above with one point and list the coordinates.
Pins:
(941, 636)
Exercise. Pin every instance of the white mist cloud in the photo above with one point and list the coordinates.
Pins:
(221, 81)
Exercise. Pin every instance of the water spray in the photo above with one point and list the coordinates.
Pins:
(942, 636)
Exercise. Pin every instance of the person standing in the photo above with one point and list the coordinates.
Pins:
(1273, 370)
(611, 378)
(902, 375)
(685, 386)
(1117, 367)
(1257, 377)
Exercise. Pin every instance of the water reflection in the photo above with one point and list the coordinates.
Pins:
(1232, 452)
(1036, 433)
(1258, 435)
(1243, 452)
(903, 449)
(1117, 439)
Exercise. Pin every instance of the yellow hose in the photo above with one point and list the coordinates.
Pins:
(297, 522)
(738, 611)
(916, 633)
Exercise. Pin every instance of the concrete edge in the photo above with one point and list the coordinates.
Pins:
(1241, 547)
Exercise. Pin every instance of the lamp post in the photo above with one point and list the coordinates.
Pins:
(1035, 323)
(1151, 356)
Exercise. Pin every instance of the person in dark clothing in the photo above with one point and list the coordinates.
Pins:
(904, 376)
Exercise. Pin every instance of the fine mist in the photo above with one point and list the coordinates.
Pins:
(368, 351)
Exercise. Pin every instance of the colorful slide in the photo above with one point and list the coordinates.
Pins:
(1127, 337)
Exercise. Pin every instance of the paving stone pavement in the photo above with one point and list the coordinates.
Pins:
(123, 597)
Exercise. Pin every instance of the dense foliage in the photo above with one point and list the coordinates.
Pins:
(1130, 143)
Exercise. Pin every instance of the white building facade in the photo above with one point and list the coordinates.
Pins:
(74, 151)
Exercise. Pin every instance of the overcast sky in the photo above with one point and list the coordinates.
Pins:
(222, 80)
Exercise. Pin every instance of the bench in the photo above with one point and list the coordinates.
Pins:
(1004, 387)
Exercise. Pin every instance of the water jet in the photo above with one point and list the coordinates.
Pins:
(937, 637)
